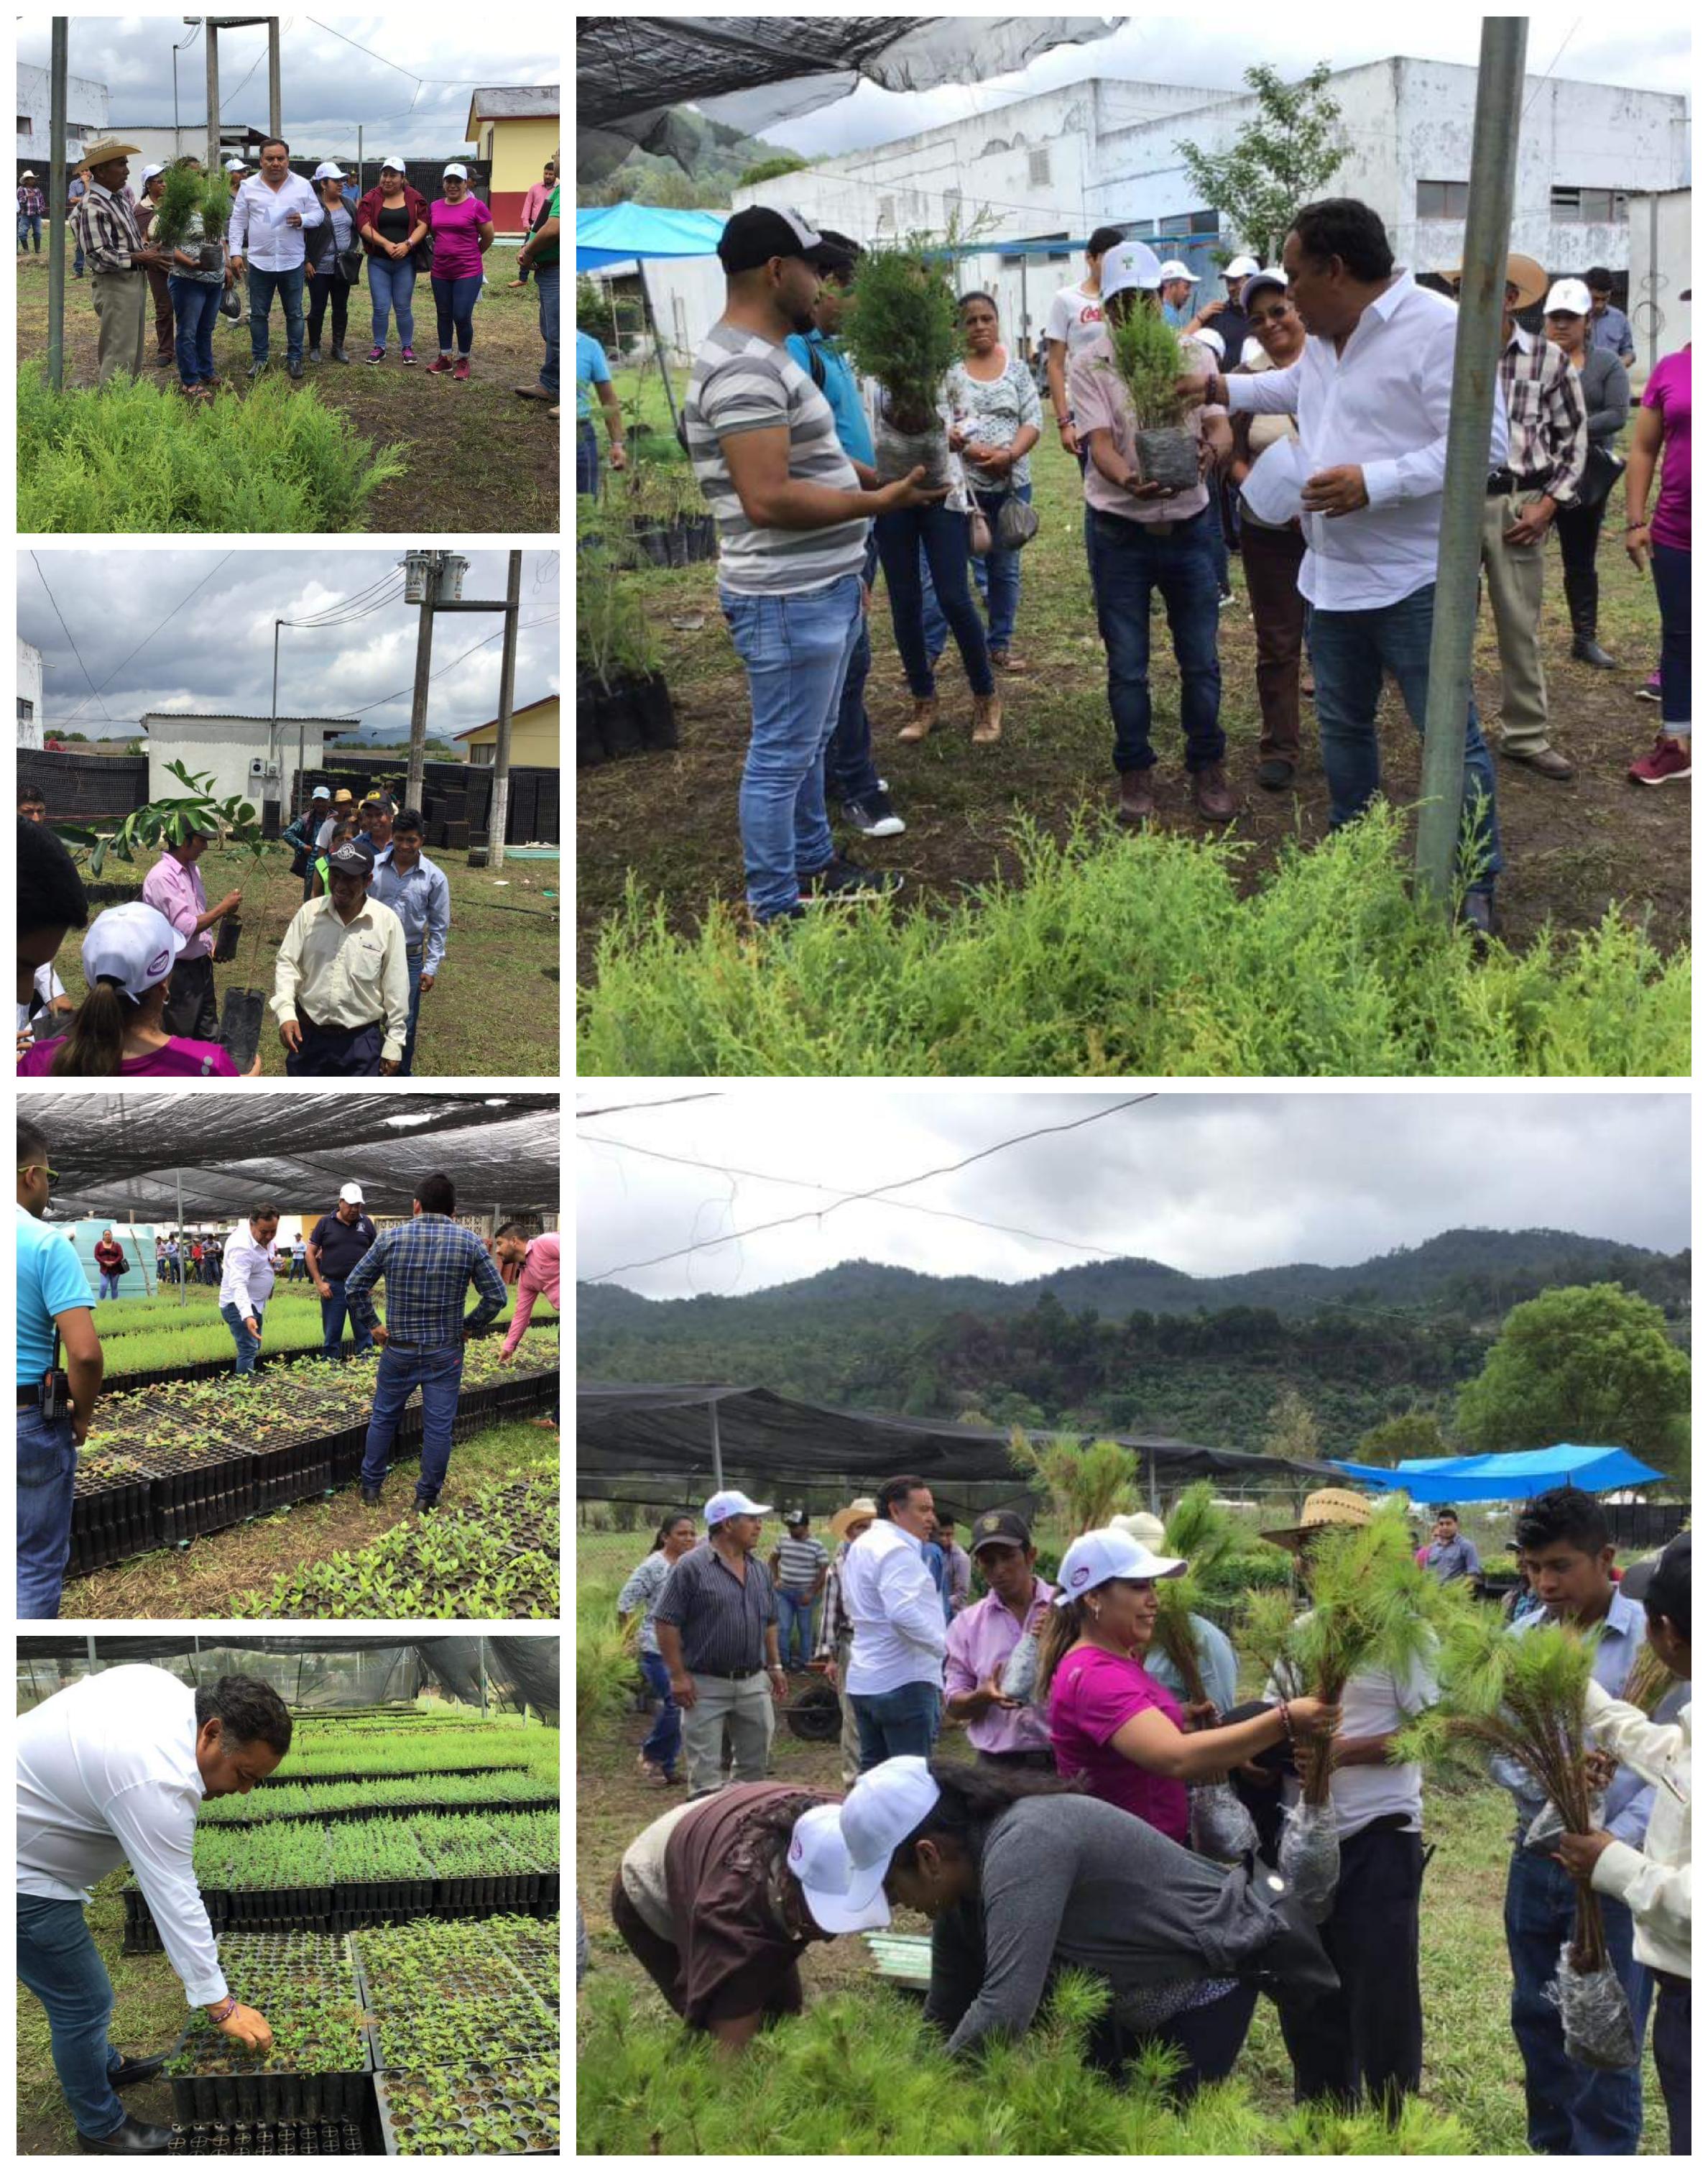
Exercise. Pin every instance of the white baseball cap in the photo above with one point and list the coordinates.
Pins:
(320, 792)
(150, 172)
(733, 1503)
(1207, 336)
(1265, 275)
(1131, 267)
(1101, 1557)
(330, 170)
(461, 172)
(352, 1193)
(132, 945)
(1174, 269)
(1242, 267)
(235, 166)
(1567, 295)
(394, 165)
(845, 1851)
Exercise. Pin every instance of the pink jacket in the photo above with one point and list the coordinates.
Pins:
(539, 1276)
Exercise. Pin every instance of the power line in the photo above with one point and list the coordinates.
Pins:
(69, 636)
(900, 1184)
(444, 82)
(160, 629)
(623, 1108)
(405, 692)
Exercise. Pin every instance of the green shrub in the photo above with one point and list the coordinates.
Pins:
(901, 327)
(1148, 361)
(135, 458)
(1124, 956)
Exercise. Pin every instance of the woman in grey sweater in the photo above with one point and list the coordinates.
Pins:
(1607, 395)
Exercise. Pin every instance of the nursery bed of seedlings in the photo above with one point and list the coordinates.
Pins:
(453, 1794)
(200, 1352)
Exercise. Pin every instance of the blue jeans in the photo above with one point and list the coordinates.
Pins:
(334, 1312)
(46, 1471)
(796, 1620)
(454, 301)
(30, 229)
(546, 285)
(1128, 558)
(110, 1285)
(1672, 570)
(416, 961)
(247, 1345)
(796, 651)
(439, 1373)
(262, 287)
(997, 576)
(943, 535)
(850, 773)
(1349, 651)
(586, 460)
(900, 1723)
(57, 1960)
(194, 309)
(391, 283)
(1572, 2110)
(664, 1744)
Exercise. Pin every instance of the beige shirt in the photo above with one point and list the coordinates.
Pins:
(643, 1871)
(1263, 431)
(1653, 1881)
(345, 975)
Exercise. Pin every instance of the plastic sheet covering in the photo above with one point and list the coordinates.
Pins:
(1596, 2016)
(1547, 1827)
(1310, 1857)
(1221, 1826)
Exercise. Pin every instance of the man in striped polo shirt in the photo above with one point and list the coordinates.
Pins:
(799, 1566)
(792, 526)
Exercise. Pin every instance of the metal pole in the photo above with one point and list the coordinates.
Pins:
(1476, 355)
(424, 672)
(276, 110)
(92, 1654)
(717, 1450)
(183, 1278)
(360, 190)
(657, 344)
(499, 822)
(1150, 1460)
(212, 37)
(483, 1678)
(56, 204)
(1654, 281)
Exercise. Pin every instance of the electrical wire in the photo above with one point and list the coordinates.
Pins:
(623, 1108)
(69, 636)
(405, 693)
(160, 629)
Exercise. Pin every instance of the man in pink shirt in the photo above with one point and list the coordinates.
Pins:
(1002, 1729)
(537, 1257)
(173, 886)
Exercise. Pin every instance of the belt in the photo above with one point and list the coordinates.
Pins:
(1503, 479)
(344, 1032)
(1164, 529)
(728, 1674)
(29, 1398)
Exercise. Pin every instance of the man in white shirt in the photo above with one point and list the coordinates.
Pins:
(112, 1770)
(1372, 393)
(1074, 321)
(895, 1671)
(268, 214)
(246, 1281)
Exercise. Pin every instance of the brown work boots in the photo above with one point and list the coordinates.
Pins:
(1209, 787)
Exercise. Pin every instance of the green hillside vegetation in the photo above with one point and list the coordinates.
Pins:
(722, 159)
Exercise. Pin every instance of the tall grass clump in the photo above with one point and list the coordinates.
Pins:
(133, 459)
(1116, 955)
(604, 1664)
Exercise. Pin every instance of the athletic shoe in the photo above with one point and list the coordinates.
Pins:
(442, 368)
(1649, 690)
(461, 372)
(1666, 763)
(408, 354)
(375, 354)
(840, 881)
(873, 816)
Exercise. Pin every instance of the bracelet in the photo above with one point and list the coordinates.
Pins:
(1632, 526)
(225, 2011)
(1286, 1720)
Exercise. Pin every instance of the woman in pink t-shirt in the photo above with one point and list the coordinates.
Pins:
(461, 227)
(1662, 430)
(127, 959)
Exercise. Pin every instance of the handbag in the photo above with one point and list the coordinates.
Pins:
(1601, 471)
(1017, 524)
(350, 264)
(980, 534)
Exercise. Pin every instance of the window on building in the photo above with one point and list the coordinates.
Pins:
(26, 127)
(1204, 222)
(1590, 206)
(1144, 228)
(886, 214)
(1443, 199)
(26, 711)
(1038, 168)
(481, 756)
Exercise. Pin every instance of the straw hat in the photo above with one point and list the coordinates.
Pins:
(1523, 272)
(97, 154)
(865, 1506)
(1325, 1509)
(1141, 1525)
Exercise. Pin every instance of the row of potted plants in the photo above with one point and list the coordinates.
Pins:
(442, 1795)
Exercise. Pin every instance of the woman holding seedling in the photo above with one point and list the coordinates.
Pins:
(120, 1030)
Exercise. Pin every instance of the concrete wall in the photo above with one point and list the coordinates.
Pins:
(225, 746)
(1660, 265)
(85, 113)
(28, 695)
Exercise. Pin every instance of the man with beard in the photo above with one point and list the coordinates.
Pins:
(791, 528)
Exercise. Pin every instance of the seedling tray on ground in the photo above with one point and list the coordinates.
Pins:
(270, 2096)
(388, 2089)
(330, 2137)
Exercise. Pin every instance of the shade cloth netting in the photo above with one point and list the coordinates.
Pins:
(124, 1155)
(628, 1434)
(1518, 1476)
(323, 1673)
(747, 72)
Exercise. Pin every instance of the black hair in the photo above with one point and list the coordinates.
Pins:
(247, 1710)
(1598, 279)
(971, 1798)
(1104, 239)
(50, 889)
(1445, 1509)
(280, 141)
(1564, 1512)
(266, 1211)
(1342, 227)
(1668, 1595)
(438, 1195)
(513, 1229)
(894, 1490)
(676, 1516)
(946, 1523)
(978, 295)
(32, 1145)
(410, 818)
(31, 795)
(93, 1046)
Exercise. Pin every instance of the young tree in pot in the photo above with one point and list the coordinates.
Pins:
(1148, 359)
(901, 326)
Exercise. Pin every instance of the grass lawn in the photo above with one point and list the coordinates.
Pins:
(200, 1581)
(668, 820)
(493, 1010)
(479, 460)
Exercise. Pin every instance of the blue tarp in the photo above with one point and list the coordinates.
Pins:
(628, 232)
(1516, 1477)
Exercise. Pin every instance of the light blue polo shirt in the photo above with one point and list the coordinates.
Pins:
(51, 1280)
(853, 431)
(591, 368)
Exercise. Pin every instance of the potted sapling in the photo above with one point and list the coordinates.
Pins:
(900, 327)
(1148, 363)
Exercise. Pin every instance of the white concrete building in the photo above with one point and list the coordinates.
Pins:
(158, 144)
(85, 115)
(250, 756)
(28, 695)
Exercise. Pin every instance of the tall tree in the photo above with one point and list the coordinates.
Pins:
(1292, 1429)
(1412, 1434)
(1279, 160)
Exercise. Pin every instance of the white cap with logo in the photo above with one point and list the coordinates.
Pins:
(1131, 267)
(352, 1194)
(459, 172)
(392, 166)
(841, 1852)
(1241, 267)
(132, 945)
(330, 170)
(235, 166)
(1101, 1556)
(1567, 295)
(150, 172)
(733, 1502)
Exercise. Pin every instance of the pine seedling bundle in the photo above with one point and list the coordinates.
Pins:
(1087, 1480)
(1203, 1536)
(1648, 1680)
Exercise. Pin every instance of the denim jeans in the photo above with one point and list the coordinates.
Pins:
(1349, 652)
(796, 651)
(944, 537)
(46, 1471)
(850, 773)
(30, 229)
(454, 301)
(416, 961)
(247, 1345)
(1572, 2110)
(391, 285)
(57, 1960)
(797, 1619)
(664, 1744)
(899, 1723)
(1672, 2047)
(1672, 570)
(195, 308)
(997, 576)
(289, 287)
(545, 286)
(439, 1373)
(335, 1310)
(110, 1285)
(1128, 558)
(586, 460)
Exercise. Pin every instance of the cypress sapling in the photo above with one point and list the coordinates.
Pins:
(1148, 361)
(900, 327)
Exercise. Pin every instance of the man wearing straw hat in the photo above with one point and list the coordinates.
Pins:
(32, 209)
(1547, 451)
(106, 229)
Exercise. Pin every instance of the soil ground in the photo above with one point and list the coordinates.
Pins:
(669, 819)
(481, 461)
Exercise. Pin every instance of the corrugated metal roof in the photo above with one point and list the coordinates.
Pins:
(238, 717)
(525, 101)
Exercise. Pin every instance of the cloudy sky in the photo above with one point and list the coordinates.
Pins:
(1210, 1183)
(1648, 52)
(217, 651)
(411, 90)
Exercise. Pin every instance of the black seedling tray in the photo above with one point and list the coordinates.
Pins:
(290, 2138)
(384, 2082)
(354, 1813)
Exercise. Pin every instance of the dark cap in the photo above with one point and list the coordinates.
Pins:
(794, 1517)
(352, 860)
(1000, 1527)
(753, 237)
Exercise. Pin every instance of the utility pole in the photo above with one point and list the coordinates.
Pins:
(276, 110)
(426, 574)
(183, 1277)
(210, 31)
(212, 27)
(499, 822)
(1476, 365)
(56, 203)
(429, 563)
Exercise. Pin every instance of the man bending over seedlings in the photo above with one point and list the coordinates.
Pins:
(113, 1770)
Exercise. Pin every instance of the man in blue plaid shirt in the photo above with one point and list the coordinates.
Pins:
(427, 1265)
